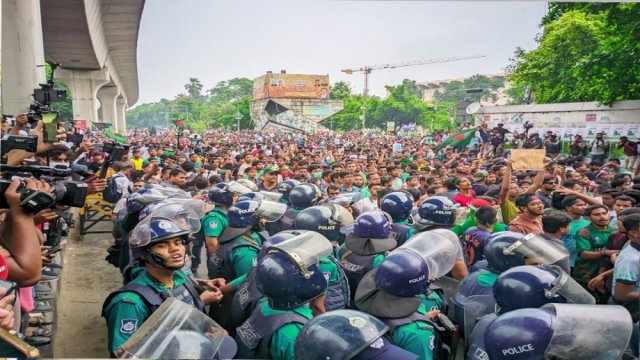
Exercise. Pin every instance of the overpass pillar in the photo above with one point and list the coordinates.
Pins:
(121, 108)
(22, 53)
(84, 85)
(107, 96)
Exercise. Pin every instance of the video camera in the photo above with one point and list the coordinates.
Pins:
(26, 143)
(527, 126)
(115, 151)
(41, 109)
(65, 191)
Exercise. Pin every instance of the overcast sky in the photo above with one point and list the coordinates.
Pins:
(215, 40)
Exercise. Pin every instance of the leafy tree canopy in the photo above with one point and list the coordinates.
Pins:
(586, 52)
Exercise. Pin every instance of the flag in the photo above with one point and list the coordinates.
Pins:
(179, 123)
(459, 140)
(117, 137)
(101, 125)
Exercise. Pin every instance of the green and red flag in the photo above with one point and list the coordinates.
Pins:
(117, 137)
(179, 123)
(101, 125)
(458, 140)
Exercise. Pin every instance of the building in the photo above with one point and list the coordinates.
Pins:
(292, 102)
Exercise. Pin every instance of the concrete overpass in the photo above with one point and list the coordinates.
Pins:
(95, 41)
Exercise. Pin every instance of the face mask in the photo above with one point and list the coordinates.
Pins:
(317, 175)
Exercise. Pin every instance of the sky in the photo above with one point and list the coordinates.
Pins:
(217, 40)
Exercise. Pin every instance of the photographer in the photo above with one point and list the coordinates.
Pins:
(599, 148)
(20, 244)
(552, 145)
(577, 146)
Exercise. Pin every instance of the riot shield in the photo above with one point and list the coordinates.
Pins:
(178, 331)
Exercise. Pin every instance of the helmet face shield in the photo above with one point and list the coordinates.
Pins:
(270, 196)
(270, 211)
(438, 249)
(185, 214)
(342, 215)
(589, 331)
(538, 249)
(237, 188)
(305, 249)
(568, 288)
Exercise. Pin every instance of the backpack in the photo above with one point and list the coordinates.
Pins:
(111, 194)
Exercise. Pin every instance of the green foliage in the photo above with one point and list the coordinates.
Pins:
(340, 90)
(454, 91)
(587, 52)
(214, 108)
(403, 105)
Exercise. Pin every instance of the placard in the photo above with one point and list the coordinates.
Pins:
(528, 159)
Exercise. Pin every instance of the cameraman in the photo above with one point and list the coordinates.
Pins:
(552, 145)
(20, 238)
(599, 148)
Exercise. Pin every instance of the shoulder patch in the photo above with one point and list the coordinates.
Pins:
(128, 326)
(128, 300)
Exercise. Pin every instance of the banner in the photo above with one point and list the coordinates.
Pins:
(631, 131)
(297, 86)
(317, 110)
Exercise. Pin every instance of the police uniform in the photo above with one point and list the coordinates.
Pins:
(402, 231)
(279, 341)
(236, 257)
(417, 336)
(125, 311)
(214, 222)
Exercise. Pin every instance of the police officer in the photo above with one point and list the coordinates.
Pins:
(560, 331)
(299, 198)
(161, 245)
(223, 195)
(285, 188)
(402, 279)
(398, 204)
(439, 212)
(366, 246)
(241, 240)
(330, 220)
(477, 288)
(347, 334)
(290, 279)
(527, 287)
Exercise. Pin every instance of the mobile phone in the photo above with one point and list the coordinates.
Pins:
(12, 288)
(53, 250)
(50, 126)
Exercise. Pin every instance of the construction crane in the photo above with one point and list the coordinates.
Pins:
(368, 69)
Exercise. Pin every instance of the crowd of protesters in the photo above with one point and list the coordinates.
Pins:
(585, 202)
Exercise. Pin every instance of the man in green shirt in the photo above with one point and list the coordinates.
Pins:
(591, 244)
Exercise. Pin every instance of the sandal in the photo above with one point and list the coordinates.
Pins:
(38, 331)
(39, 321)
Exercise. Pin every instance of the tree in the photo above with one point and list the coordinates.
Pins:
(230, 90)
(453, 90)
(194, 88)
(340, 90)
(587, 52)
